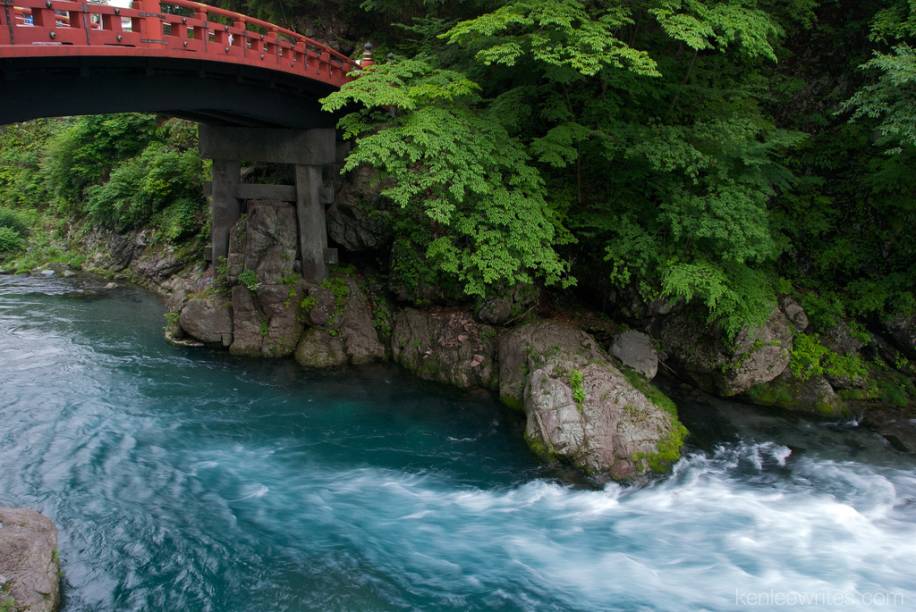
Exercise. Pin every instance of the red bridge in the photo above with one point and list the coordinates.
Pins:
(184, 58)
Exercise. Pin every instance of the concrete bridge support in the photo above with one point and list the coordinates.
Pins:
(308, 150)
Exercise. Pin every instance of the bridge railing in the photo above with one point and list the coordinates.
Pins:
(173, 28)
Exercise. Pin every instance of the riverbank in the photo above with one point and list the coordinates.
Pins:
(356, 318)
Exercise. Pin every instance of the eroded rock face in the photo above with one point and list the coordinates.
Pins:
(447, 346)
(267, 289)
(902, 331)
(208, 319)
(508, 305)
(29, 563)
(343, 331)
(580, 408)
(355, 220)
(634, 349)
(699, 350)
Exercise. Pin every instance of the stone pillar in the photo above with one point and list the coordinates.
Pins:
(313, 234)
(225, 206)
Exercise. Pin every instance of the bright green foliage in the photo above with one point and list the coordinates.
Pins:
(661, 164)
(810, 358)
(703, 25)
(890, 98)
(576, 383)
(564, 35)
(249, 280)
(478, 207)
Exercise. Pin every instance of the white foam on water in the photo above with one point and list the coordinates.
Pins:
(700, 538)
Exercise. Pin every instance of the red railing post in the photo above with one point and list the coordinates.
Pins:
(150, 23)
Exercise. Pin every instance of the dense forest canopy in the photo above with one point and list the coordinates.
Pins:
(720, 152)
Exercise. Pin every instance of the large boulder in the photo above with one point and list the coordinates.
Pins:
(581, 409)
(813, 396)
(343, 330)
(532, 346)
(29, 561)
(445, 345)
(635, 350)
(267, 289)
(700, 351)
(208, 319)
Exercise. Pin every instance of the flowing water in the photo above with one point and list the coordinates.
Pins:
(190, 480)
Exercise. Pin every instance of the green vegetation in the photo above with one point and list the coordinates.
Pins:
(578, 389)
(249, 279)
(811, 358)
(119, 172)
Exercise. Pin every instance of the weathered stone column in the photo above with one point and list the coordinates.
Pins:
(225, 205)
(313, 231)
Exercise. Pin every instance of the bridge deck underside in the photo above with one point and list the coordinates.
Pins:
(212, 92)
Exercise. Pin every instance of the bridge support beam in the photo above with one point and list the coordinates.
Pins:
(225, 207)
(308, 150)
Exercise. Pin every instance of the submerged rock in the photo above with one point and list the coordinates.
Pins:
(447, 346)
(701, 352)
(29, 562)
(580, 408)
(634, 349)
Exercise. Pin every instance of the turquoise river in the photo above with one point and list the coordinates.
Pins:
(186, 479)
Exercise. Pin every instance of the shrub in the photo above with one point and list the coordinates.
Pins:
(85, 153)
(14, 220)
(10, 240)
(142, 186)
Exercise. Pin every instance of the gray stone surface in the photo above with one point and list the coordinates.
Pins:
(265, 315)
(794, 312)
(840, 339)
(634, 349)
(611, 429)
(29, 563)
(356, 220)
(700, 351)
(447, 346)
(208, 319)
(319, 349)
(509, 305)
(343, 330)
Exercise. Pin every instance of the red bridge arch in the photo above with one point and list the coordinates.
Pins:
(241, 66)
